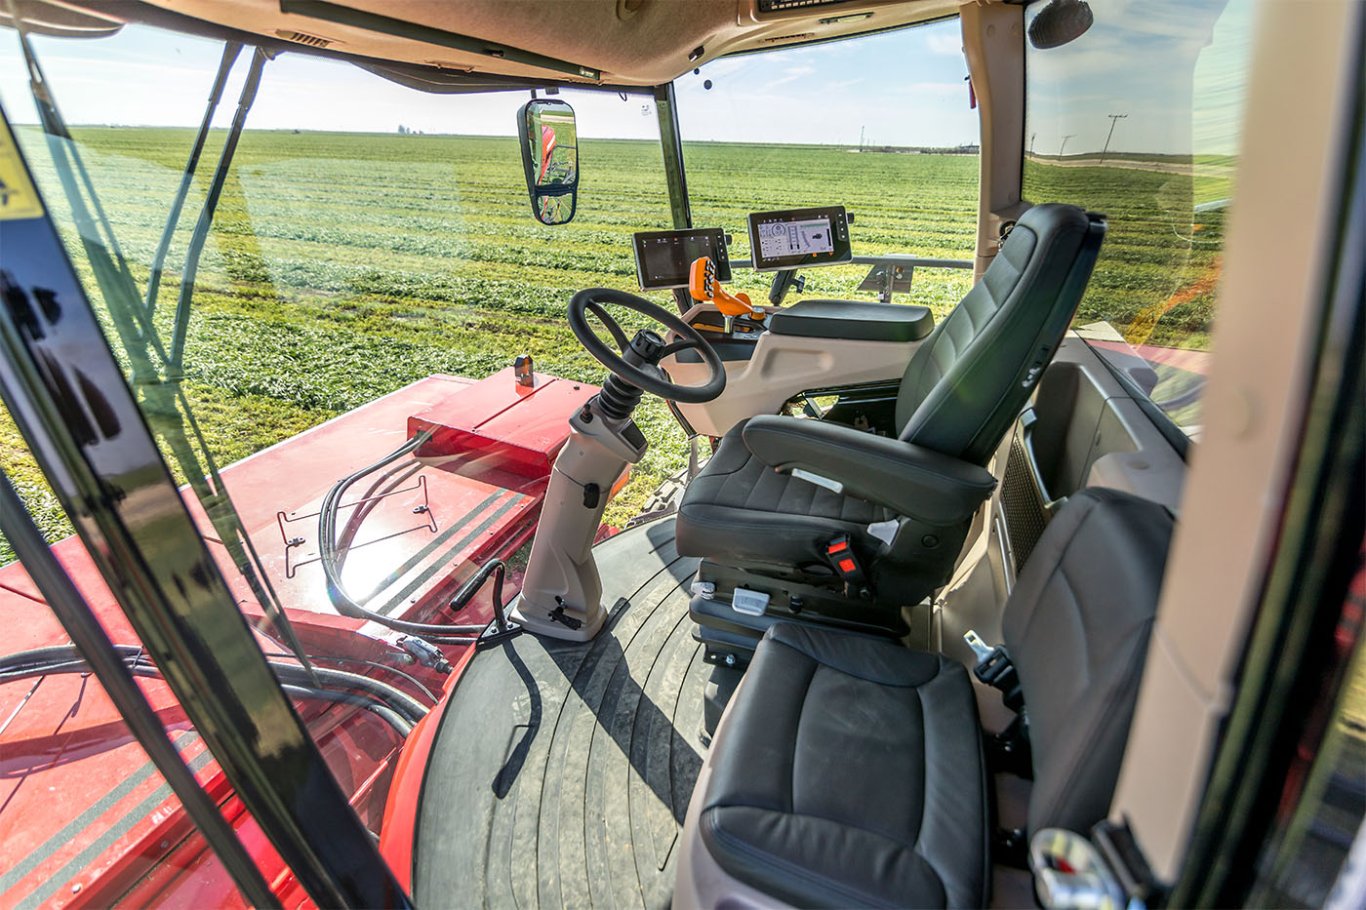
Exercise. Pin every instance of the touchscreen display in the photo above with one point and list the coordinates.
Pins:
(795, 238)
(663, 258)
(799, 238)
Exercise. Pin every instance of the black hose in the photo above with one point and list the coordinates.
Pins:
(401, 702)
(395, 719)
(363, 662)
(348, 606)
(66, 659)
(400, 724)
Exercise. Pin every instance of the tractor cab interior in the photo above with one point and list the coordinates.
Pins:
(764, 518)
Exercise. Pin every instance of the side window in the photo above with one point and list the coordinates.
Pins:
(1154, 147)
(881, 124)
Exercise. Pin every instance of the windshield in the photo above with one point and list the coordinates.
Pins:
(296, 322)
(1154, 147)
(882, 124)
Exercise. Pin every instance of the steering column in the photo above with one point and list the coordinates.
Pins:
(562, 590)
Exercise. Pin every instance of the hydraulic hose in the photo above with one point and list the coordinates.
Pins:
(401, 725)
(66, 659)
(336, 592)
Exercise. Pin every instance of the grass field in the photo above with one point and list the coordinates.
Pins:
(343, 266)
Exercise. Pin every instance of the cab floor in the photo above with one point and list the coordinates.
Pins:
(561, 773)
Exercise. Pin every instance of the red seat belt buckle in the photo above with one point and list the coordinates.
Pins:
(841, 556)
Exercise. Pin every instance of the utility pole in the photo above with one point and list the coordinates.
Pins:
(1114, 118)
(1063, 147)
(1031, 144)
(860, 137)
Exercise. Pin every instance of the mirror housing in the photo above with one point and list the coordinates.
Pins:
(1060, 22)
(550, 158)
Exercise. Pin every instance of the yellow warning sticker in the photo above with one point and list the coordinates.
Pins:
(18, 199)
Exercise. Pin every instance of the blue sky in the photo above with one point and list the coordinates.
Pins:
(903, 88)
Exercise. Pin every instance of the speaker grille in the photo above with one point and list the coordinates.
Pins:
(1024, 513)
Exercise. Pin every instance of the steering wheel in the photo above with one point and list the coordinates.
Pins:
(636, 362)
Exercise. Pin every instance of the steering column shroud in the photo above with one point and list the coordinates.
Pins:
(562, 592)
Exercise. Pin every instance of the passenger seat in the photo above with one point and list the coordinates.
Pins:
(848, 771)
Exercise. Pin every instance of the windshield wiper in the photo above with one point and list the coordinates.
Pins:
(190, 270)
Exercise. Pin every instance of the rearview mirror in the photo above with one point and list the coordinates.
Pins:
(550, 158)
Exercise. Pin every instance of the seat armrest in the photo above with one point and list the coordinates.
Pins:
(908, 479)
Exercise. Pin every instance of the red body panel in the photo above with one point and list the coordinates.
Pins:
(85, 819)
(500, 426)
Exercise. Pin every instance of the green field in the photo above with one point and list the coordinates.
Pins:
(343, 266)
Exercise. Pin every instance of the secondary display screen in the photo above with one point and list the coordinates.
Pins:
(799, 238)
(663, 258)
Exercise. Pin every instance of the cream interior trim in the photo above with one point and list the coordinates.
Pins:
(993, 41)
(782, 366)
(633, 42)
(1280, 234)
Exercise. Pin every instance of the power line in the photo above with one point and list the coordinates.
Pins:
(1114, 118)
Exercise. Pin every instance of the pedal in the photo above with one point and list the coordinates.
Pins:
(560, 616)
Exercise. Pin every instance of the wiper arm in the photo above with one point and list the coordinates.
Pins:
(230, 51)
(201, 229)
(163, 399)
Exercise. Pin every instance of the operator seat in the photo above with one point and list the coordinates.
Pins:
(958, 396)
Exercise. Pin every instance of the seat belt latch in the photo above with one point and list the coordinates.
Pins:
(840, 553)
(995, 668)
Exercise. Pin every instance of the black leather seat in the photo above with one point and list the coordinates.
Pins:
(848, 771)
(850, 774)
(958, 396)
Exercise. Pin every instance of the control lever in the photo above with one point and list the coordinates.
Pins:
(704, 286)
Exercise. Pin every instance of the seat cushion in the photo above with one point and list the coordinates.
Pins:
(740, 509)
(848, 772)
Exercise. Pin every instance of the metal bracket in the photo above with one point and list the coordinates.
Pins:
(496, 633)
(295, 541)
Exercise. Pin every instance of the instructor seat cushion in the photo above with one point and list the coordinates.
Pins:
(849, 772)
(1077, 627)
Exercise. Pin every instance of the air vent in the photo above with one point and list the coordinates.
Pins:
(798, 37)
(301, 38)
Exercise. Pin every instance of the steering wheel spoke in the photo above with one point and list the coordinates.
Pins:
(612, 327)
(648, 376)
(685, 344)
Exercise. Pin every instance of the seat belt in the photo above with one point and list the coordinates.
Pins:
(995, 668)
(1008, 750)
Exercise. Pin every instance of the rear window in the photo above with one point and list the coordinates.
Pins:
(1140, 118)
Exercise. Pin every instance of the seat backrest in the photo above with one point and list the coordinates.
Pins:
(1077, 627)
(973, 375)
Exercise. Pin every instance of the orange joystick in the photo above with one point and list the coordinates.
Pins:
(703, 286)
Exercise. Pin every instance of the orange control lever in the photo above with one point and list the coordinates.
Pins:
(703, 286)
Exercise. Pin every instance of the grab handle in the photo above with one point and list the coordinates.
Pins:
(1028, 420)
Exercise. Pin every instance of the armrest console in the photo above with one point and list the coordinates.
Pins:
(910, 480)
